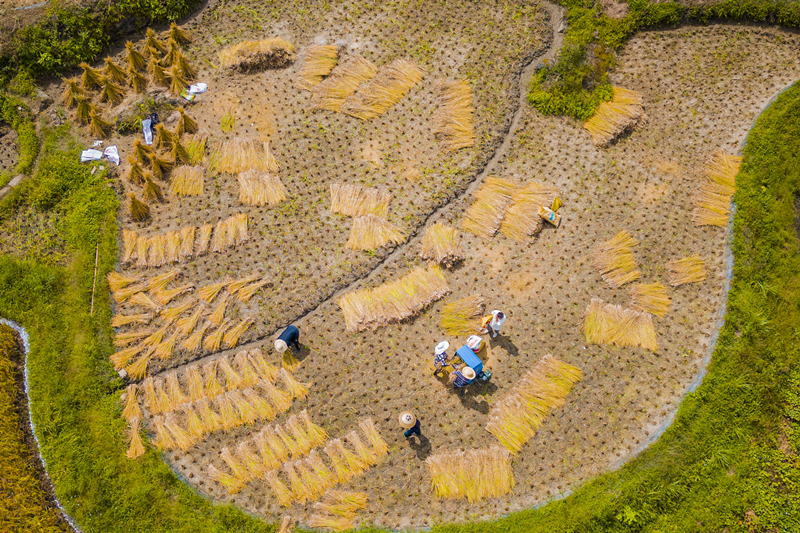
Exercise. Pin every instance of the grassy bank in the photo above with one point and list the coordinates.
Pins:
(16, 114)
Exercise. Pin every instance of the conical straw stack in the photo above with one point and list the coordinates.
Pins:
(135, 444)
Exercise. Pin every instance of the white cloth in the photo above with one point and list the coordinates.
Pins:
(112, 154)
(495, 323)
(91, 155)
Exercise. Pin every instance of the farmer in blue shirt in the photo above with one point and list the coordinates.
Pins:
(463, 377)
(290, 336)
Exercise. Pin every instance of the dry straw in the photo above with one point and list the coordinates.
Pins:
(441, 244)
(247, 413)
(131, 409)
(265, 369)
(164, 349)
(136, 446)
(515, 418)
(712, 200)
(690, 269)
(334, 523)
(318, 63)
(195, 340)
(281, 399)
(204, 238)
(484, 216)
(370, 232)
(282, 492)
(463, 317)
(181, 438)
(315, 433)
(248, 373)
(218, 315)
(249, 56)
(268, 457)
(129, 239)
(209, 292)
(342, 83)
(195, 386)
(141, 299)
(187, 324)
(214, 340)
(187, 181)
(612, 119)
(652, 298)
(393, 301)
(474, 474)
(392, 82)
(126, 320)
(355, 200)
(231, 338)
(117, 281)
(295, 388)
(167, 295)
(342, 503)
(231, 484)
(287, 524)
(453, 119)
(614, 260)
(244, 153)
(194, 425)
(300, 492)
(260, 188)
(124, 339)
(379, 446)
(122, 295)
(172, 313)
(247, 292)
(522, 221)
(613, 324)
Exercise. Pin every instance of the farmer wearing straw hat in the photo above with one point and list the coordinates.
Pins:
(290, 336)
(440, 361)
(493, 323)
(463, 377)
(410, 423)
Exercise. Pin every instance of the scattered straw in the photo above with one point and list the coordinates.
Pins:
(484, 216)
(615, 261)
(453, 119)
(391, 83)
(613, 324)
(612, 119)
(690, 269)
(652, 298)
(342, 83)
(260, 188)
(370, 232)
(250, 56)
(474, 474)
(463, 317)
(712, 200)
(441, 244)
(356, 200)
(318, 63)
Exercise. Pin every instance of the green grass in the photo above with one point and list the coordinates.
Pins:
(17, 115)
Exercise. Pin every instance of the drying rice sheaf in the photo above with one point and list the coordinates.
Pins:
(474, 474)
(250, 56)
(356, 200)
(441, 244)
(712, 200)
(187, 181)
(652, 298)
(612, 119)
(522, 221)
(318, 63)
(614, 260)
(260, 188)
(613, 324)
(515, 418)
(463, 317)
(690, 269)
(485, 215)
(453, 119)
(244, 153)
(391, 83)
(393, 301)
(342, 83)
(370, 232)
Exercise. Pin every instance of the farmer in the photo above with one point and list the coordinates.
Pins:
(440, 357)
(463, 377)
(410, 423)
(290, 336)
(493, 323)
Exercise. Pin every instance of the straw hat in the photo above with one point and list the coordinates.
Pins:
(407, 420)
(468, 372)
(280, 346)
(442, 347)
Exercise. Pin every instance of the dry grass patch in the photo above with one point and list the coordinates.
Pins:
(612, 119)
(690, 269)
(441, 244)
(391, 83)
(242, 154)
(356, 200)
(453, 120)
(615, 262)
(652, 298)
(613, 324)
(187, 181)
(712, 200)
(342, 83)
(260, 188)
(318, 63)
(485, 215)
(471, 474)
(370, 232)
(249, 56)
(463, 317)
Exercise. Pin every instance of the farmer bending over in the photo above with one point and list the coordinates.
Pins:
(290, 336)
(440, 361)
(493, 323)
(463, 377)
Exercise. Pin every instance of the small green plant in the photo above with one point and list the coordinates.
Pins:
(227, 124)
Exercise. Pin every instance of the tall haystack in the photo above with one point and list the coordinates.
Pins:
(441, 244)
(615, 262)
(254, 56)
(318, 64)
(342, 83)
(453, 120)
(612, 119)
(391, 83)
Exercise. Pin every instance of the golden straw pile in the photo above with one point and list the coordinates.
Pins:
(342, 83)
(615, 261)
(391, 83)
(612, 119)
(712, 200)
(484, 217)
(690, 269)
(338, 510)
(318, 64)
(187, 181)
(355, 200)
(613, 324)
(244, 153)
(260, 188)
(474, 474)
(463, 317)
(393, 301)
(250, 56)
(651, 298)
(522, 221)
(441, 244)
(453, 119)
(369, 232)
(515, 418)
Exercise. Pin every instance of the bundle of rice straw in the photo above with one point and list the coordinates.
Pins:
(463, 317)
(615, 262)
(690, 269)
(393, 301)
(342, 83)
(355, 200)
(129, 239)
(389, 85)
(613, 324)
(260, 188)
(453, 119)
(136, 448)
(370, 232)
(123, 339)
(712, 200)
(515, 418)
(247, 292)
(187, 181)
(612, 119)
(251, 56)
(244, 153)
(231, 338)
(204, 238)
(522, 221)
(230, 232)
(441, 244)
(652, 298)
(474, 474)
(342, 503)
(332, 522)
(318, 63)
(483, 218)
(117, 281)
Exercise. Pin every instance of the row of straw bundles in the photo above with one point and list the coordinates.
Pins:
(474, 474)
(249, 56)
(342, 83)
(393, 301)
(613, 324)
(338, 510)
(391, 83)
(712, 200)
(485, 215)
(319, 61)
(463, 317)
(441, 244)
(370, 232)
(515, 418)
(453, 119)
(614, 260)
(356, 200)
(244, 153)
(612, 119)
(522, 221)
(690, 269)
(651, 298)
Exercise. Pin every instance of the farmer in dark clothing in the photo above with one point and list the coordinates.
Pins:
(290, 336)
(463, 377)
(411, 424)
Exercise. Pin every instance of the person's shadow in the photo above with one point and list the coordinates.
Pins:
(506, 343)
(421, 445)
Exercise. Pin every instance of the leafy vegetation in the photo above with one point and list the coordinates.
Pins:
(16, 114)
